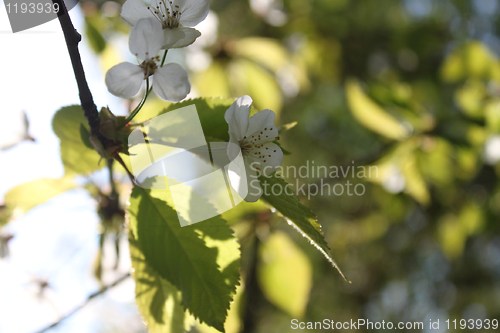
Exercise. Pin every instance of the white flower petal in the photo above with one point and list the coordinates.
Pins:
(171, 82)
(134, 10)
(233, 149)
(124, 80)
(237, 117)
(261, 127)
(179, 37)
(193, 11)
(252, 172)
(146, 38)
(269, 155)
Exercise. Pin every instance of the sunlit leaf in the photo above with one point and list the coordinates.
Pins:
(24, 197)
(187, 257)
(492, 113)
(298, 216)
(157, 300)
(213, 81)
(470, 60)
(398, 171)
(436, 161)
(470, 98)
(373, 116)
(285, 274)
(255, 81)
(75, 155)
(451, 236)
(233, 320)
(264, 51)
(210, 112)
(312, 55)
(454, 230)
(94, 36)
(415, 184)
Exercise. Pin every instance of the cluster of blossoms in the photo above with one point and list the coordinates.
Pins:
(157, 25)
(164, 24)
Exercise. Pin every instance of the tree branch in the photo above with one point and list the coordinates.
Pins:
(72, 38)
(86, 302)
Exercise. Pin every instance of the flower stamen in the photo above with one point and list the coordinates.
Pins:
(167, 13)
(149, 66)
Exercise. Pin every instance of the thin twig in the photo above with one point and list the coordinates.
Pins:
(86, 302)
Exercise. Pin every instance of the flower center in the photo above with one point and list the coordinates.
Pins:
(166, 12)
(245, 146)
(149, 67)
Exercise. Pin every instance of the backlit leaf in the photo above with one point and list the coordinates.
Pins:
(298, 216)
(24, 197)
(285, 274)
(373, 116)
(190, 258)
(76, 156)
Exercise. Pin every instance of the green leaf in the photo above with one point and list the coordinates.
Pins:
(201, 260)
(415, 184)
(279, 258)
(373, 116)
(454, 229)
(470, 98)
(275, 57)
(470, 60)
(76, 156)
(251, 78)
(158, 301)
(210, 111)
(213, 81)
(298, 216)
(94, 36)
(24, 197)
(492, 113)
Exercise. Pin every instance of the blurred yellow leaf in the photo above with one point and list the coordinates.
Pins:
(454, 230)
(24, 197)
(471, 218)
(212, 82)
(253, 80)
(285, 274)
(472, 59)
(373, 116)
(492, 113)
(265, 51)
(436, 161)
(415, 184)
(451, 236)
(470, 98)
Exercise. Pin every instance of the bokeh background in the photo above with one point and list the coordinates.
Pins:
(411, 87)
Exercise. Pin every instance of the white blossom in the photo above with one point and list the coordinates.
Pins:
(177, 17)
(254, 137)
(169, 82)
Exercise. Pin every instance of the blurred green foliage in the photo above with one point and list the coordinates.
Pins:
(411, 87)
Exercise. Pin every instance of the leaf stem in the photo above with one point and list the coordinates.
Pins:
(141, 104)
(112, 184)
(148, 90)
(164, 58)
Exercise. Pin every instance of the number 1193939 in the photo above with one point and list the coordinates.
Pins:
(32, 8)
